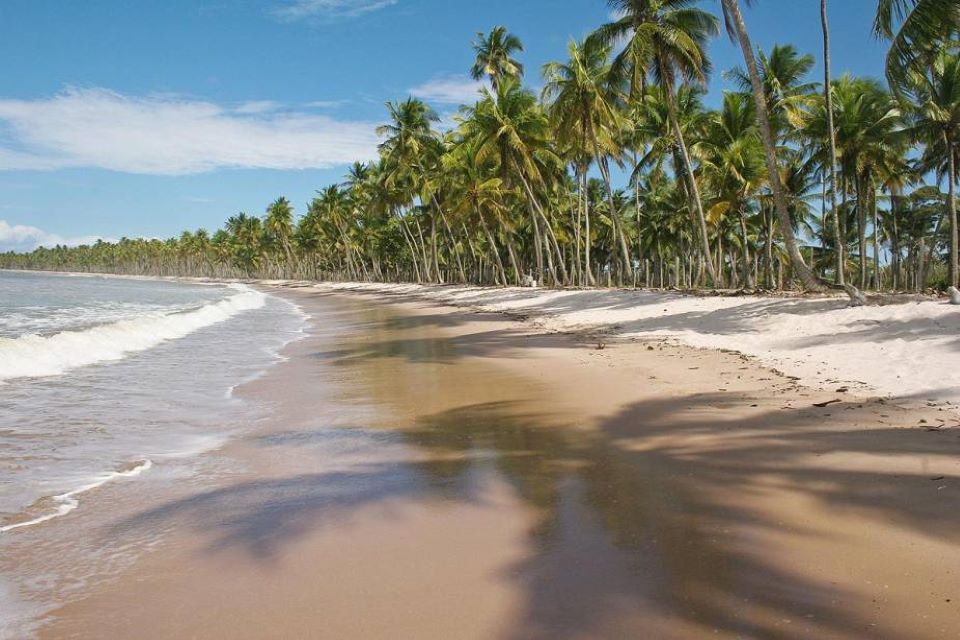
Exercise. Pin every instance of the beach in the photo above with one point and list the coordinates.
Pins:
(428, 471)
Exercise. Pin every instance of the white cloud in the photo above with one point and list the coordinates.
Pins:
(258, 106)
(327, 104)
(449, 90)
(21, 237)
(167, 135)
(293, 10)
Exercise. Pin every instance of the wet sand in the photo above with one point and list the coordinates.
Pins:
(430, 473)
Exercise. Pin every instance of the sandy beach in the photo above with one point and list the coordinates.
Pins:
(426, 471)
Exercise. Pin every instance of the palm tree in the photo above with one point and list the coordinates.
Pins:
(934, 118)
(511, 128)
(732, 164)
(279, 224)
(832, 138)
(587, 110)
(479, 192)
(917, 30)
(409, 147)
(495, 59)
(666, 39)
(737, 29)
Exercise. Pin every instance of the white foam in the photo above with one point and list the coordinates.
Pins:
(34, 356)
(67, 502)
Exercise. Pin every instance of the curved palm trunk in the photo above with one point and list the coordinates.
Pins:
(502, 275)
(533, 207)
(800, 268)
(554, 246)
(453, 242)
(691, 183)
(828, 93)
(408, 236)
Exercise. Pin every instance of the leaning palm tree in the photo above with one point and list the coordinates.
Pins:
(495, 59)
(917, 30)
(666, 39)
(737, 29)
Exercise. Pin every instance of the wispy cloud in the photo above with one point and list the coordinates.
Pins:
(449, 90)
(21, 237)
(166, 135)
(327, 104)
(258, 106)
(293, 10)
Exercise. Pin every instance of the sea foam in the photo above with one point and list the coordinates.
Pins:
(35, 356)
(67, 502)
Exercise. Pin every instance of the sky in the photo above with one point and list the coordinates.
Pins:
(145, 118)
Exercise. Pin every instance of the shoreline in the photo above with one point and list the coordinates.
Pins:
(516, 483)
(902, 350)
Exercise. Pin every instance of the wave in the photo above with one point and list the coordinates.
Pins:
(34, 356)
(67, 502)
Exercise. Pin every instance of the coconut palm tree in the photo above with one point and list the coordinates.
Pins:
(737, 29)
(732, 165)
(917, 30)
(494, 57)
(279, 226)
(511, 128)
(409, 147)
(665, 39)
(587, 110)
(933, 111)
(831, 161)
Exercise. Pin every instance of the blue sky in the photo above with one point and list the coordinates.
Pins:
(143, 118)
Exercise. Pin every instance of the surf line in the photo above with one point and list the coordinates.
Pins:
(67, 502)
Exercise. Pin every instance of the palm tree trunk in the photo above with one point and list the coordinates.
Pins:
(876, 237)
(862, 230)
(828, 93)
(502, 277)
(586, 241)
(453, 242)
(531, 208)
(691, 181)
(408, 236)
(747, 277)
(554, 245)
(952, 212)
(614, 216)
(799, 267)
(427, 263)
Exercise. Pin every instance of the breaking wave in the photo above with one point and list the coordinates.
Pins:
(35, 356)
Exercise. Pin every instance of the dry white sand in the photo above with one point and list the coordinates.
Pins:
(910, 351)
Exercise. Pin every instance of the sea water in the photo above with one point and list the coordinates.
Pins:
(106, 380)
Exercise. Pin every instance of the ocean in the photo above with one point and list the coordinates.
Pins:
(106, 380)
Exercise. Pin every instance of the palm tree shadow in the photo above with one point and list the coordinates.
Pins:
(634, 522)
(626, 522)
